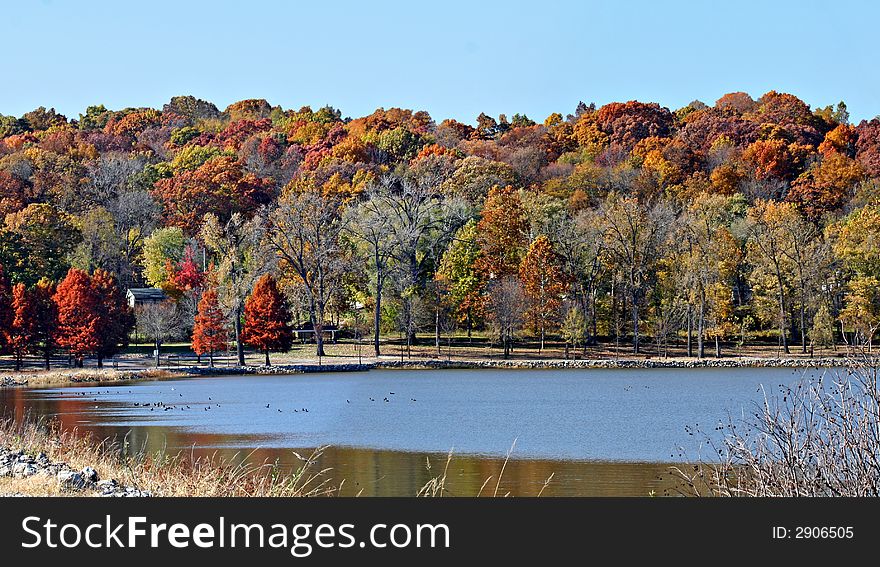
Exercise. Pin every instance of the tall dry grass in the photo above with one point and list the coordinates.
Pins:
(164, 474)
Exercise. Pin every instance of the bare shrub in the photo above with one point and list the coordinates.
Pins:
(818, 437)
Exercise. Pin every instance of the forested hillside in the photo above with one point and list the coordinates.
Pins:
(729, 222)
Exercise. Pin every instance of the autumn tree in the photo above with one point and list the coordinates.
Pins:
(44, 320)
(78, 315)
(267, 319)
(862, 310)
(709, 255)
(22, 332)
(47, 236)
(769, 246)
(543, 286)
(464, 284)
(209, 332)
(502, 233)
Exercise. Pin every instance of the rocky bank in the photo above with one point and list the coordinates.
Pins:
(85, 482)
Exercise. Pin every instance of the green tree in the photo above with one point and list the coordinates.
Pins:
(459, 276)
(163, 245)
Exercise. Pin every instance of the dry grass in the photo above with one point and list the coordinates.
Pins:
(818, 437)
(437, 487)
(72, 375)
(38, 485)
(160, 473)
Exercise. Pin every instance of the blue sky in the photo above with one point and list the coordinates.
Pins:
(451, 58)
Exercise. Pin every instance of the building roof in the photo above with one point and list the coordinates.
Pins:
(146, 294)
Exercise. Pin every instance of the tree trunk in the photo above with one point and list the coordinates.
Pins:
(47, 359)
(690, 330)
(701, 330)
(267, 358)
(239, 348)
(377, 318)
(717, 347)
(635, 320)
(782, 334)
(211, 358)
(158, 356)
(100, 361)
(803, 327)
(317, 314)
(17, 362)
(437, 328)
(377, 313)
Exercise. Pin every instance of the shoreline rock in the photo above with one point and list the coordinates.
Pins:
(519, 365)
(18, 464)
(107, 375)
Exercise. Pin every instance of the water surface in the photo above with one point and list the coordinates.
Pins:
(598, 432)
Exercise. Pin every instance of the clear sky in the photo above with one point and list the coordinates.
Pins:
(452, 58)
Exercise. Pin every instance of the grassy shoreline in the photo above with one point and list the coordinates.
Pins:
(43, 378)
(158, 474)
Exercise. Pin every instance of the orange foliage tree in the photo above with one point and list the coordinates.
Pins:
(209, 333)
(267, 318)
(544, 282)
(501, 233)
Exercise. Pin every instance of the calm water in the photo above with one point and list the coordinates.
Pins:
(599, 432)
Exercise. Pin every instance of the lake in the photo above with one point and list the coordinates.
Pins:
(598, 431)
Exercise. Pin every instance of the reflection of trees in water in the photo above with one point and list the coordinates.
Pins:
(367, 472)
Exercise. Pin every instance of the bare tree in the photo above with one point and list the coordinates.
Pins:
(368, 223)
(633, 235)
(506, 305)
(241, 259)
(422, 223)
(579, 243)
(305, 233)
(160, 321)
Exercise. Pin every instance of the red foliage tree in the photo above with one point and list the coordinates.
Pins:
(209, 332)
(22, 332)
(267, 318)
(184, 276)
(78, 315)
(217, 186)
(868, 146)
